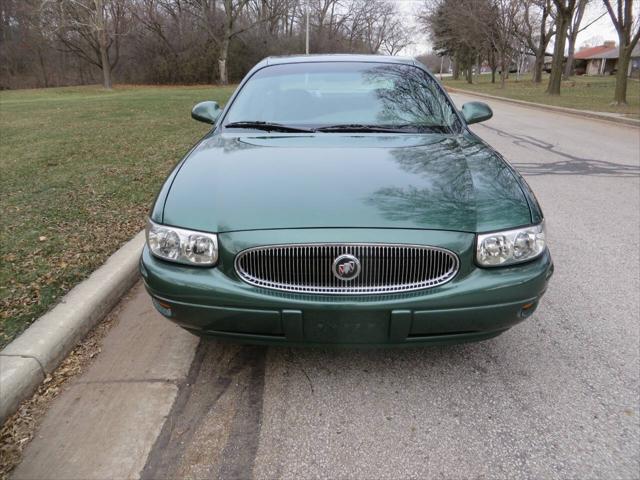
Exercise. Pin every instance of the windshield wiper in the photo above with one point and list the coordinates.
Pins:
(267, 126)
(357, 127)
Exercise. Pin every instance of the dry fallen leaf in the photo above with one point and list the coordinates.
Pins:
(42, 238)
(20, 428)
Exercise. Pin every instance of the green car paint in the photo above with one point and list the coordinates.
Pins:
(207, 112)
(259, 188)
(434, 182)
(475, 112)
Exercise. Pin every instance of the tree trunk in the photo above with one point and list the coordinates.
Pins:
(568, 68)
(537, 67)
(543, 41)
(493, 64)
(469, 74)
(226, 39)
(103, 43)
(562, 24)
(574, 29)
(222, 62)
(106, 67)
(503, 74)
(624, 57)
(456, 70)
(224, 51)
(43, 68)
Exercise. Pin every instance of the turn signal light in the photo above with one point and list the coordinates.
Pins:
(162, 307)
(527, 309)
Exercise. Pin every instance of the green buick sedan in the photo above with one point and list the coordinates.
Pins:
(342, 199)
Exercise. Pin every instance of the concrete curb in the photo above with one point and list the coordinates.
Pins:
(569, 111)
(26, 361)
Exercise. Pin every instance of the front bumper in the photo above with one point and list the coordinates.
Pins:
(477, 304)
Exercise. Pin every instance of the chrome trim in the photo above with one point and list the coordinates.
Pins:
(307, 267)
(338, 259)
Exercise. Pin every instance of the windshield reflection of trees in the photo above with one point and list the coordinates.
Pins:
(465, 186)
(415, 98)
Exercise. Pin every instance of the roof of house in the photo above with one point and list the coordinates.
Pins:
(596, 52)
(614, 53)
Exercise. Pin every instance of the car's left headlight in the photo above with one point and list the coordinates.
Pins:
(182, 246)
(510, 246)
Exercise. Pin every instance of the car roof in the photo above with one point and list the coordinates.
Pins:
(339, 57)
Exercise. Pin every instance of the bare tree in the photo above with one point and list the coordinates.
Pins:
(536, 31)
(222, 26)
(378, 24)
(25, 44)
(376, 16)
(563, 14)
(397, 37)
(506, 15)
(154, 16)
(572, 36)
(457, 29)
(628, 34)
(188, 41)
(91, 29)
(473, 30)
(232, 10)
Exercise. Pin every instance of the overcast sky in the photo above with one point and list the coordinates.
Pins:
(595, 34)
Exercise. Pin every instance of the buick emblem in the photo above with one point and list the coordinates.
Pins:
(346, 267)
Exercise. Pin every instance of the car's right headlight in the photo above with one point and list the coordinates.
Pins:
(182, 246)
(510, 246)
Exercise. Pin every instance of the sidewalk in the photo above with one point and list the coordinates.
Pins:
(107, 420)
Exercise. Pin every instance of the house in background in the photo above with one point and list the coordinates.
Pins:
(634, 64)
(600, 60)
(603, 60)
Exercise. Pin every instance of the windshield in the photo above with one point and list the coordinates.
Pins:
(335, 96)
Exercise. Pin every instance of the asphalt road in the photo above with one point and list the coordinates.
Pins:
(555, 397)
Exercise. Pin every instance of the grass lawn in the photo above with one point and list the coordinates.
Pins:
(79, 169)
(583, 92)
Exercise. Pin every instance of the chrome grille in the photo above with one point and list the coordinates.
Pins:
(385, 268)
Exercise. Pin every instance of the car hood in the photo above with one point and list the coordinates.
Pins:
(442, 182)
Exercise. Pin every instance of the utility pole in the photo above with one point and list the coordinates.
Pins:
(307, 39)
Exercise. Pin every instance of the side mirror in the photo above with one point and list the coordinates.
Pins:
(207, 112)
(474, 112)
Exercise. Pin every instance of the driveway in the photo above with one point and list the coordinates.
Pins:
(555, 397)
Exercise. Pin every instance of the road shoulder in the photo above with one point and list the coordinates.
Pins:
(604, 116)
(106, 422)
(54, 335)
